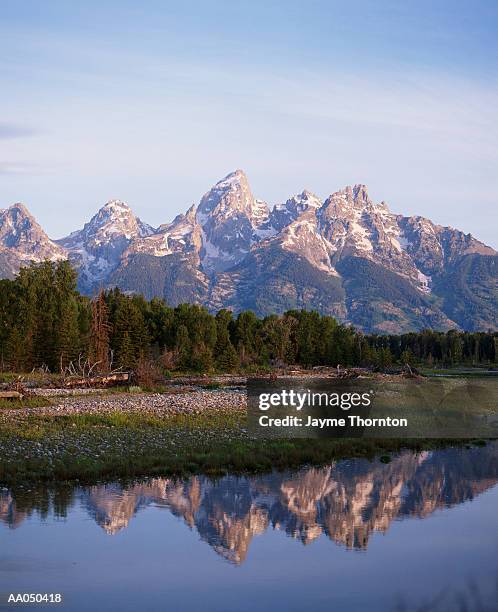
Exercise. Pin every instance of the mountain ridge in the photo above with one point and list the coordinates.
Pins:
(345, 255)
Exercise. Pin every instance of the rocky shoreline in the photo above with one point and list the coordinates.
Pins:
(192, 401)
(101, 434)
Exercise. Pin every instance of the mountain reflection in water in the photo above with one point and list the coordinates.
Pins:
(346, 501)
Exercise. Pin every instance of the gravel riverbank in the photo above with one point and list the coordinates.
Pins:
(118, 434)
(155, 404)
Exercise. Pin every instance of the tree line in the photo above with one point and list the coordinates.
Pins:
(45, 322)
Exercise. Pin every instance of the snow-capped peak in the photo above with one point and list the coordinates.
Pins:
(21, 234)
(230, 195)
(97, 248)
(116, 205)
(116, 209)
(303, 201)
(18, 207)
(115, 220)
(231, 180)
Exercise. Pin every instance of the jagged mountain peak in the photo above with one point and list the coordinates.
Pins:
(232, 180)
(115, 209)
(97, 248)
(23, 240)
(303, 201)
(16, 222)
(300, 202)
(17, 217)
(112, 221)
(347, 256)
(229, 217)
(18, 207)
(190, 214)
(308, 195)
(121, 215)
(287, 212)
(360, 191)
(354, 196)
(116, 205)
(231, 194)
(355, 203)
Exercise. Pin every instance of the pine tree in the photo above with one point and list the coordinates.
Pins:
(183, 347)
(65, 307)
(125, 354)
(14, 350)
(201, 359)
(129, 331)
(226, 358)
(99, 351)
(385, 357)
(67, 334)
(246, 328)
(407, 357)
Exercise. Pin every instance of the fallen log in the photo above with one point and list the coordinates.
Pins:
(10, 395)
(99, 381)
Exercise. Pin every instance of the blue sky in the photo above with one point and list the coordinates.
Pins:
(153, 102)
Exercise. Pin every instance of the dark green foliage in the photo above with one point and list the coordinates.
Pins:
(129, 337)
(14, 350)
(183, 347)
(44, 321)
(434, 348)
(226, 358)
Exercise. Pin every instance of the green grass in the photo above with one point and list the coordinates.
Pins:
(26, 402)
(122, 445)
(35, 377)
(461, 371)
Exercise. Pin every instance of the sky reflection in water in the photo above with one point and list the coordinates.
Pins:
(143, 545)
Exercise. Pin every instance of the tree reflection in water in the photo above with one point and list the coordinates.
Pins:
(346, 501)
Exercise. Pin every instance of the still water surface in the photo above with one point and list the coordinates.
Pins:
(351, 536)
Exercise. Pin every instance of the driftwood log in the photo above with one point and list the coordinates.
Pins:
(99, 381)
(10, 395)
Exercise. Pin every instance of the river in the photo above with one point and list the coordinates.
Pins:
(418, 533)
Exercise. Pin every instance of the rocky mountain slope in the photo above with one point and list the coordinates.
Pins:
(22, 240)
(346, 256)
(96, 250)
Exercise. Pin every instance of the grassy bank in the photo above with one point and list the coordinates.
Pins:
(26, 402)
(90, 447)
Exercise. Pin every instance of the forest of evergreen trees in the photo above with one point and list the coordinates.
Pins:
(45, 322)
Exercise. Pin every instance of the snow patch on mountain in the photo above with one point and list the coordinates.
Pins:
(425, 282)
(97, 248)
(22, 238)
(220, 241)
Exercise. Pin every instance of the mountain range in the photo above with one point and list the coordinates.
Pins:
(346, 256)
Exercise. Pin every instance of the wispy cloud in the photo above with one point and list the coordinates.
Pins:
(159, 104)
(14, 130)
